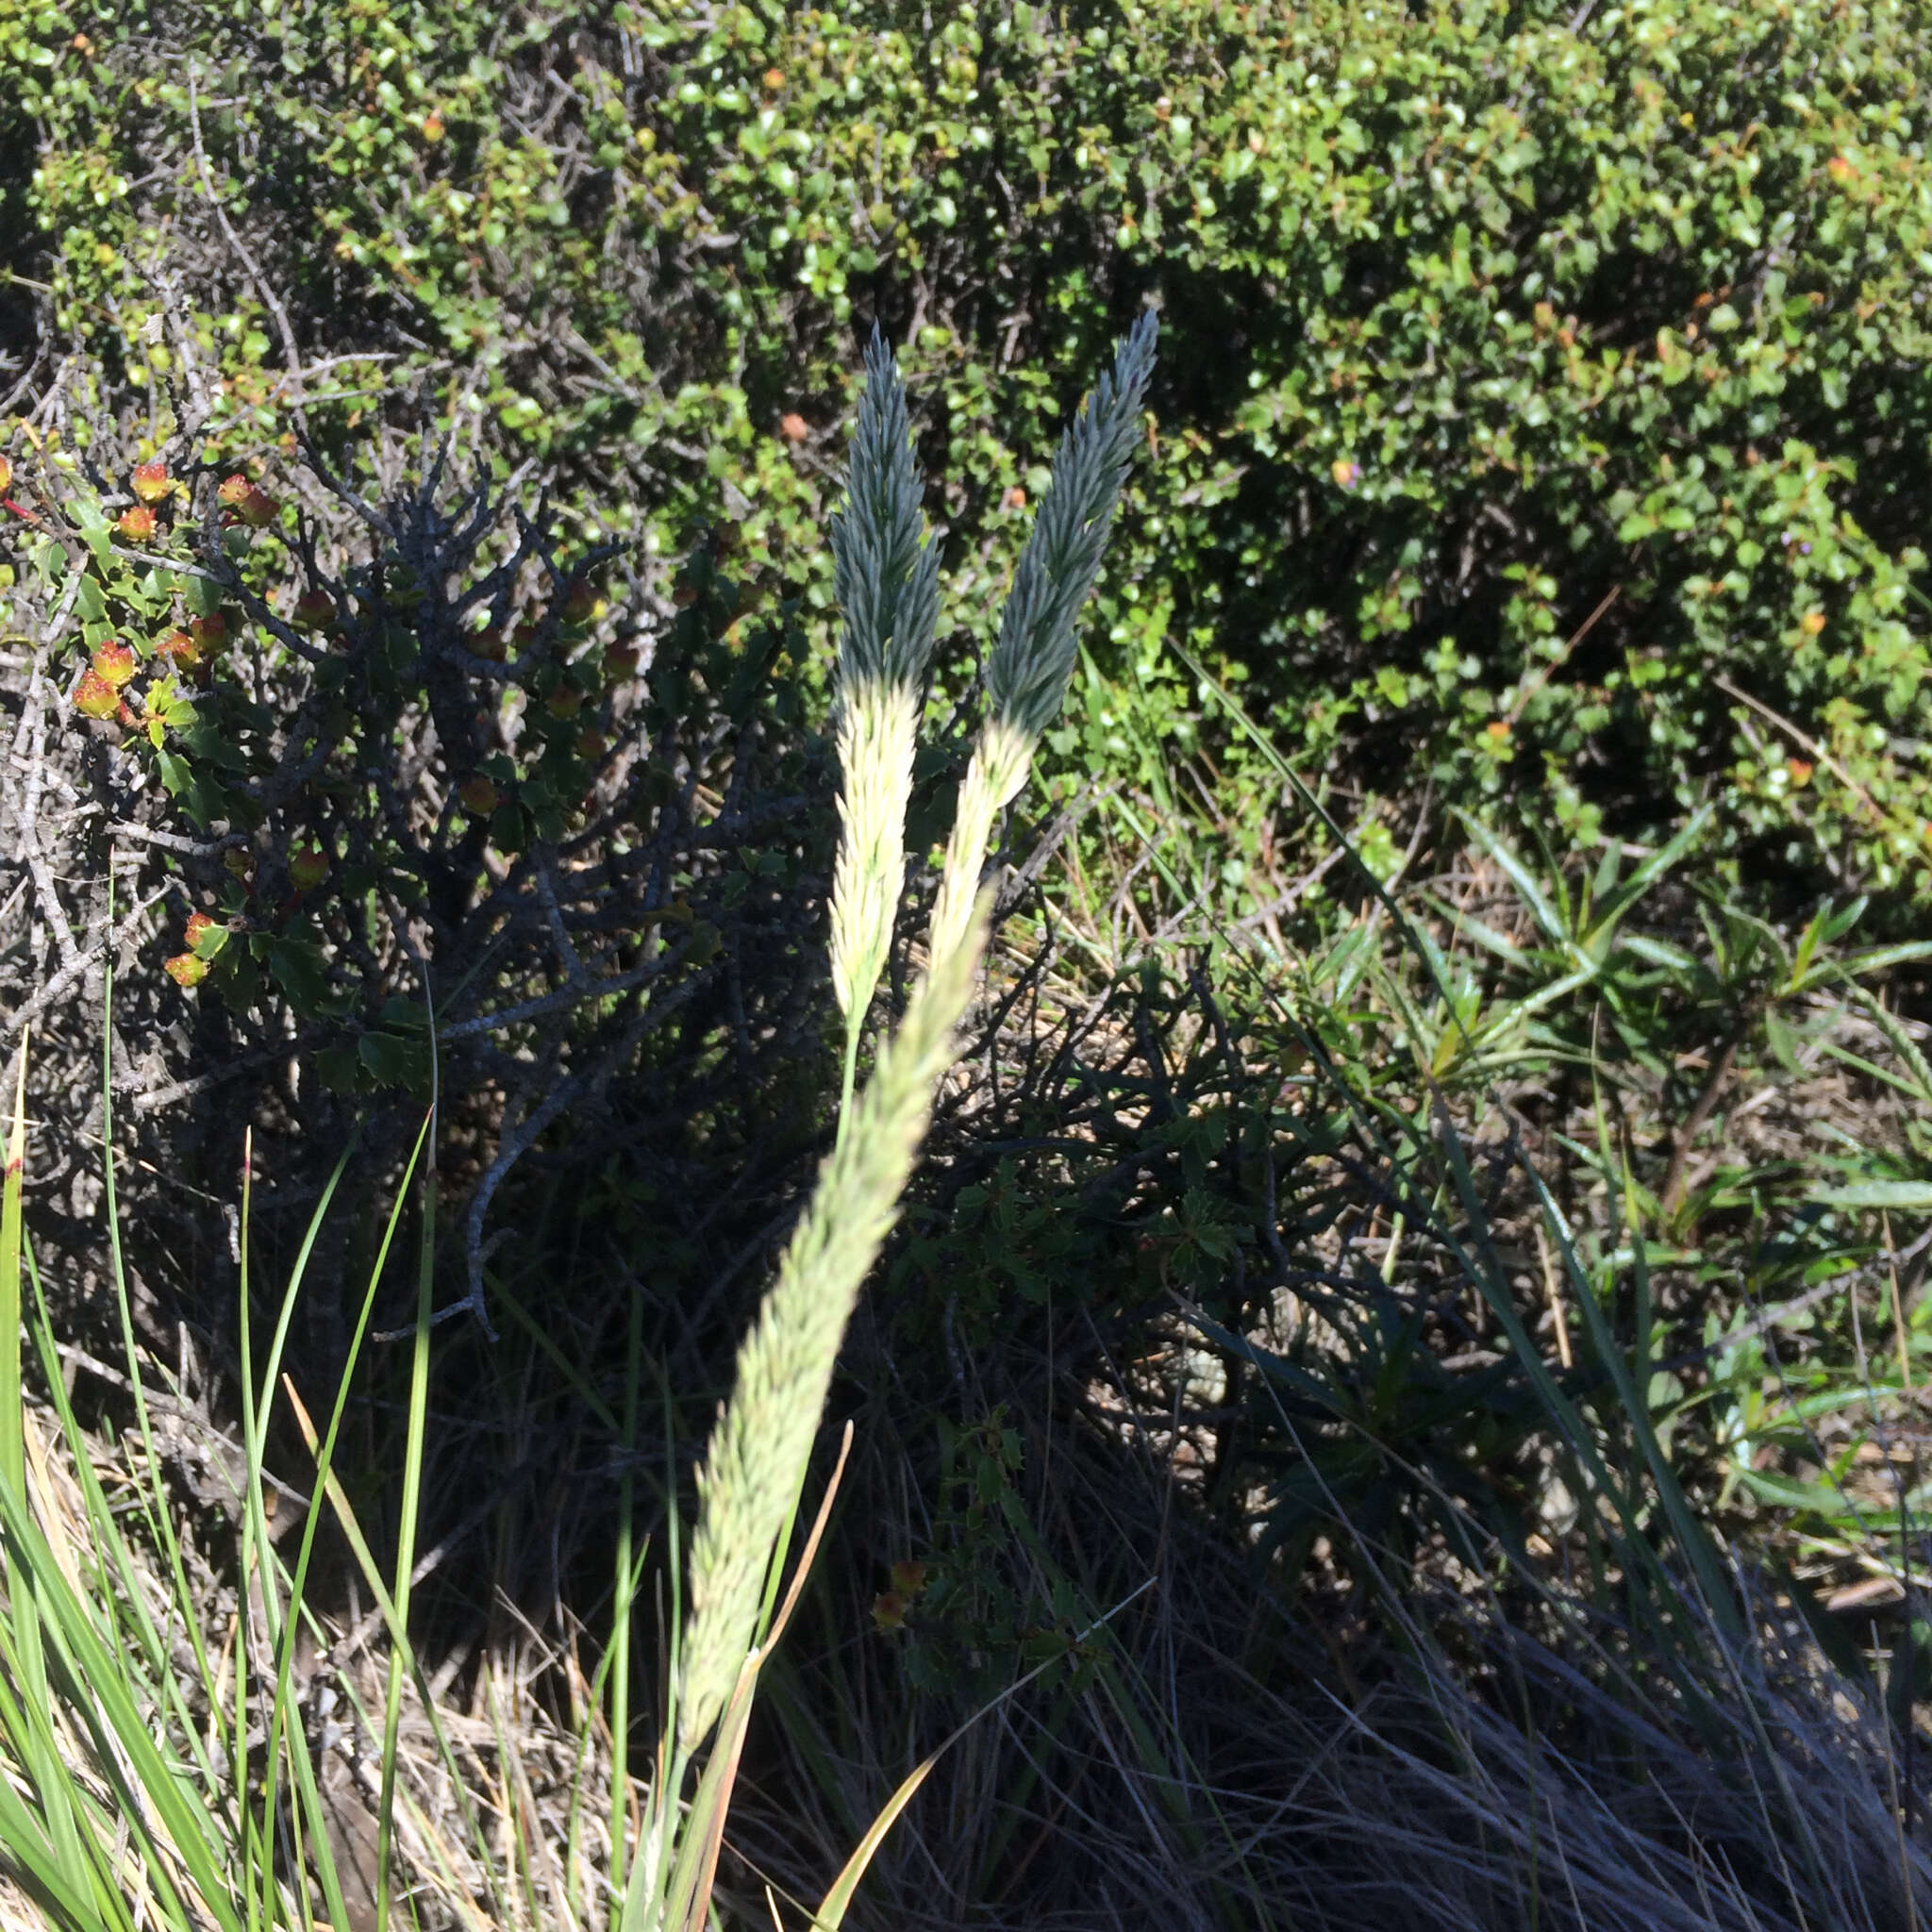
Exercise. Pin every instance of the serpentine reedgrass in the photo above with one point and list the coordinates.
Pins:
(1033, 656)
(755, 1466)
(759, 1453)
(886, 576)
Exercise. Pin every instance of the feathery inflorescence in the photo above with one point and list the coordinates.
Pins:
(758, 1454)
(886, 578)
(1026, 675)
(879, 732)
(1001, 760)
(885, 572)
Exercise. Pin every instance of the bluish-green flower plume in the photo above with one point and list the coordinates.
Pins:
(1027, 675)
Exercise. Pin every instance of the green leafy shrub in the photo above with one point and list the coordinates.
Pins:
(1485, 319)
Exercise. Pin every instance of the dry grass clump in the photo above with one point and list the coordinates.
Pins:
(1211, 1755)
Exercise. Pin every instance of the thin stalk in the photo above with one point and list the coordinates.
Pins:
(848, 1074)
(261, 1860)
(626, 1585)
(12, 1419)
(257, 1561)
(406, 1535)
(257, 1402)
(643, 1890)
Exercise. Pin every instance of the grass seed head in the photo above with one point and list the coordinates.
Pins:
(1027, 675)
(758, 1452)
(878, 727)
(886, 572)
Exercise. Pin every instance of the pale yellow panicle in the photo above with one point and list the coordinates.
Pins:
(756, 1459)
(878, 727)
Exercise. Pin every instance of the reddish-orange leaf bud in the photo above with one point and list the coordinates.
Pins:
(152, 482)
(314, 608)
(257, 510)
(94, 696)
(113, 663)
(136, 523)
(180, 650)
(186, 969)
(621, 661)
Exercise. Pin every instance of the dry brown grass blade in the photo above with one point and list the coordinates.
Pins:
(807, 1554)
(712, 1804)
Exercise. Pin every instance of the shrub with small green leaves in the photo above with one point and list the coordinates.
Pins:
(1549, 410)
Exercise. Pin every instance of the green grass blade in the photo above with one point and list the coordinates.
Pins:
(619, 1654)
(1691, 1536)
(406, 1535)
(12, 1452)
(95, 1694)
(287, 1742)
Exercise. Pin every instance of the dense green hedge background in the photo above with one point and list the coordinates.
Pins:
(1480, 324)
